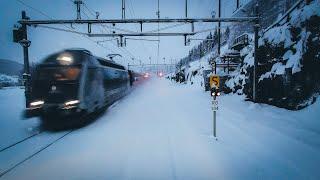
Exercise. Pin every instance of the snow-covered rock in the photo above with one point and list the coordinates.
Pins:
(288, 61)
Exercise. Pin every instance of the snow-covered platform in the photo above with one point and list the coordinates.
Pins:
(163, 130)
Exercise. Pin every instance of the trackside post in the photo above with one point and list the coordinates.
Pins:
(214, 87)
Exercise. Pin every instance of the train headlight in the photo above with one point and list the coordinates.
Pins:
(65, 59)
(36, 103)
(72, 103)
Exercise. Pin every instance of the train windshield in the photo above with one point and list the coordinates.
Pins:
(59, 73)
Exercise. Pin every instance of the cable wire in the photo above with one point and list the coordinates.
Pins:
(44, 14)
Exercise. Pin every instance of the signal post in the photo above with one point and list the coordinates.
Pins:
(214, 87)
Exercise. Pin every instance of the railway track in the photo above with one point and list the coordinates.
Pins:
(33, 154)
(21, 141)
(41, 149)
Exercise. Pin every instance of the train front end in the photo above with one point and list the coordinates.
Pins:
(56, 87)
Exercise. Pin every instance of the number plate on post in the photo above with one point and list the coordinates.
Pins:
(215, 105)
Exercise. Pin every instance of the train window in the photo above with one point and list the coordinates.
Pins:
(59, 73)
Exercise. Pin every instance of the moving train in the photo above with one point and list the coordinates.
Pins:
(74, 82)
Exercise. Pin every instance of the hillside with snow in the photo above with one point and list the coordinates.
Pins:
(10, 68)
(288, 62)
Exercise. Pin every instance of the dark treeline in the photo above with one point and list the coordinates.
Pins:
(206, 46)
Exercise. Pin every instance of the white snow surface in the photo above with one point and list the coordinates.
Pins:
(163, 130)
(12, 126)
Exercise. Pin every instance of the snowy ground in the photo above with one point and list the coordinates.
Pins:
(162, 130)
(12, 126)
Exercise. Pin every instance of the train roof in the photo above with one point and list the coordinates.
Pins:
(76, 56)
(66, 57)
(79, 50)
(109, 63)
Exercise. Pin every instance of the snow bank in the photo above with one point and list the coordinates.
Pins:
(6, 80)
(277, 35)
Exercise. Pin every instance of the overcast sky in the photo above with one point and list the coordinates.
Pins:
(46, 41)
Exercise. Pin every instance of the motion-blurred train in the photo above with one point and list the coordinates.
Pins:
(73, 82)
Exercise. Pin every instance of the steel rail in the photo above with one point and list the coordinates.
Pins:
(20, 141)
(34, 154)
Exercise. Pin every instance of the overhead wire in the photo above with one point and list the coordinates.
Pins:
(104, 27)
(133, 14)
(61, 29)
(167, 27)
(49, 17)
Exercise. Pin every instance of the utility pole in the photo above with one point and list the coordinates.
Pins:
(219, 27)
(256, 46)
(238, 4)
(78, 3)
(25, 44)
(186, 9)
(158, 53)
(123, 9)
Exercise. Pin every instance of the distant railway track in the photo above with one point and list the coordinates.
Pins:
(33, 154)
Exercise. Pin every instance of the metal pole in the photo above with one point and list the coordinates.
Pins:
(78, 3)
(123, 9)
(186, 8)
(238, 4)
(215, 68)
(219, 26)
(25, 44)
(158, 49)
(255, 68)
(157, 20)
(214, 124)
(214, 117)
(228, 65)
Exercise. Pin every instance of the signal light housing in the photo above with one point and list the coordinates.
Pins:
(215, 92)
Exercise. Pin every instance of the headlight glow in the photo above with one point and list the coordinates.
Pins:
(65, 59)
(36, 103)
(146, 75)
(72, 102)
